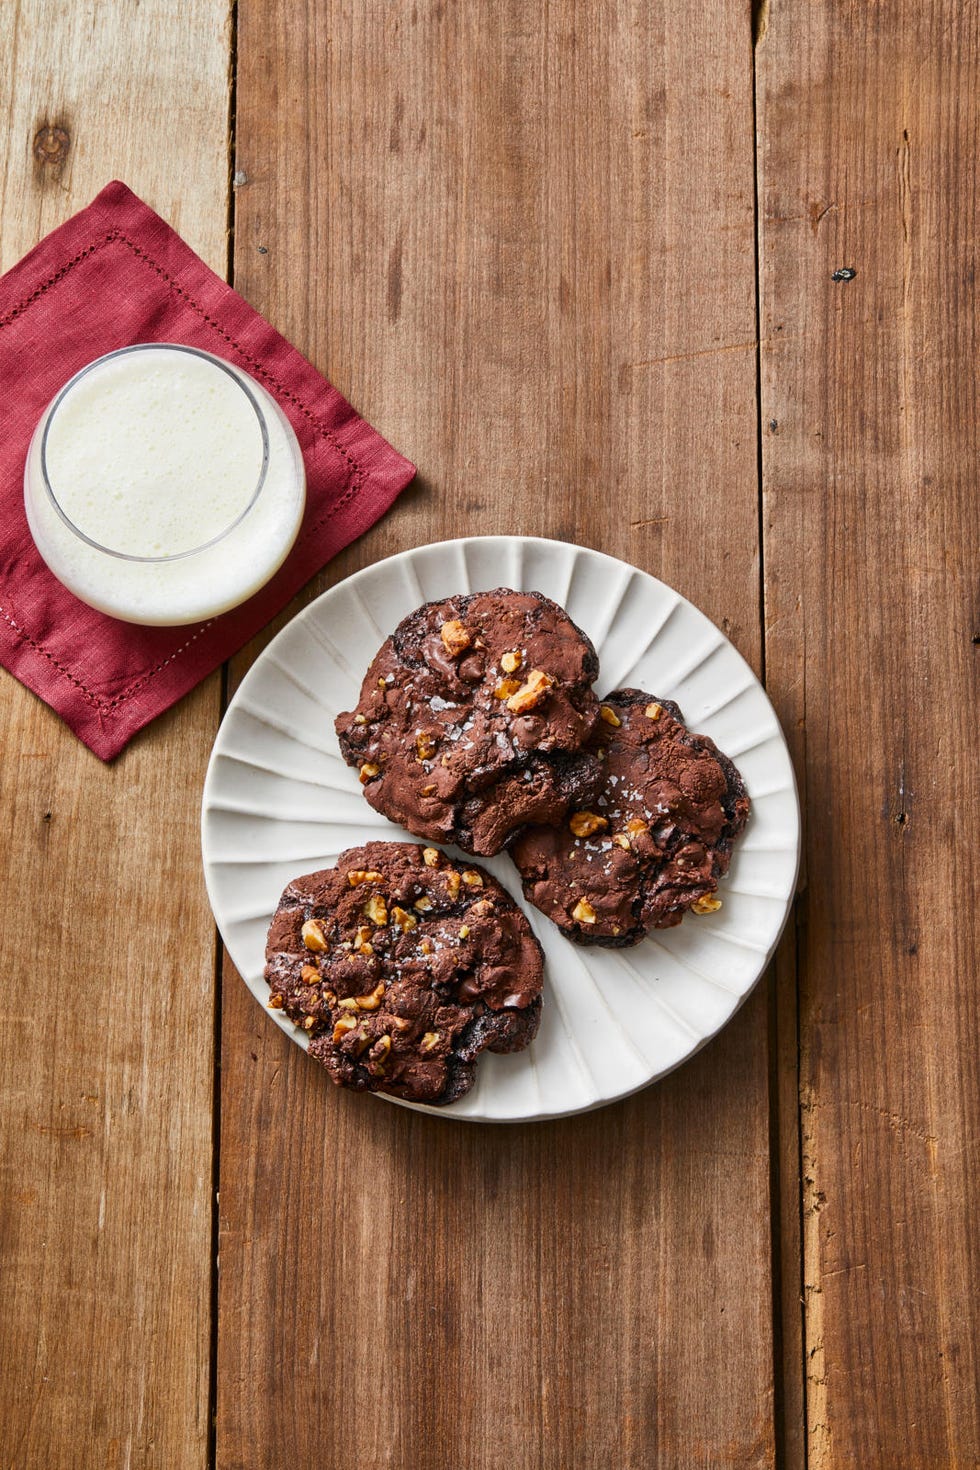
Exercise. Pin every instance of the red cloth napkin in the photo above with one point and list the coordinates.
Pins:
(110, 276)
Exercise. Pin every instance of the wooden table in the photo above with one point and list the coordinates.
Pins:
(578, 262)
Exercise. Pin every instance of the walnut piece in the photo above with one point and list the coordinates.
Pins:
(621, 840)
(583, 912)
(431, 856)
(357, 876)
(368, 772)
(429, 1040)
(455, 637)
(583, 824)
(405, 921)
(425, 745)
(376, 910)
(654, 711)
(472, 879)
(610, 716)
(453, 882)
(531, 692)
(344, 1024)
(275, 1002)
(313, 936)
(372, 1000)
(310, 975)
(707, 904)
(505, 688)
(511, 662)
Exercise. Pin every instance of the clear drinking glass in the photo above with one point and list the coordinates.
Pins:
(164, 485)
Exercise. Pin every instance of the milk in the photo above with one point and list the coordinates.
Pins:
(164, 485)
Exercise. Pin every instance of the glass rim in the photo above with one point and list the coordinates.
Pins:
(56, 402)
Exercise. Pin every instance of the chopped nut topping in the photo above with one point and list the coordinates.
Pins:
(706, 905)
(583, 912)
(309, 975)
(609, 715)
(464, 931)
(455, 637)
(376, 910)
(616, 929)
(405, 921)
(313, 935)
(481, 907)
(357, 876)
(368, 772)
(309, 1022)
(428, 790)
(431, 856)
(531, 692)
(621, 840)
(504, 688)
(453, 881)
(473, 879)
(349, 1003)
(511, 662)
(399, 1023)
(637, 824)
(583, 824)
(344, 1024)
(654, 711)
(275, 1002)
(422, 905)
(371, 1001)
(425, 745)
(429, 1040)
(362, 943)
(381, 1049)
(382, 684)
(363, 1039)
(360, 719)
(425, 947)
(601, 753)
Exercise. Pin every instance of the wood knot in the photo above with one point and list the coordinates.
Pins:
(51, 145)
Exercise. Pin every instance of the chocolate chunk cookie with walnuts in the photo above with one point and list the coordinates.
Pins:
(654, 843)
(403, 966)
(474, 718)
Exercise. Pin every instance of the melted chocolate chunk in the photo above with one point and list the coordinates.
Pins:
(474, 719)
(403, 966)
(654, 842)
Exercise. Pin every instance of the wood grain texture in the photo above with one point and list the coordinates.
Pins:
(521, 239)
(868, 121)
(107, 1053)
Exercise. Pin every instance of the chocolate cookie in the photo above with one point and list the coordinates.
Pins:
(654, 843)
(403, 966)
(473, 719)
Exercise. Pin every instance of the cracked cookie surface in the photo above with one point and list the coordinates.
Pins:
(474, 719)
(402, 966)
(655, 841)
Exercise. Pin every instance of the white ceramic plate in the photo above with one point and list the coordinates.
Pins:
(279, 801)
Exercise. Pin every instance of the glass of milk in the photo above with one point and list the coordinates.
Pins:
(164, 485)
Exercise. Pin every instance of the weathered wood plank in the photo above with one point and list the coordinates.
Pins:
(868, 119)
(108, 951)
(522, 241)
